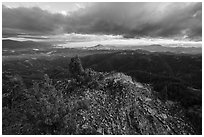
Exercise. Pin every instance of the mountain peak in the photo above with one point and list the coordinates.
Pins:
(156, 45)
(98, 46)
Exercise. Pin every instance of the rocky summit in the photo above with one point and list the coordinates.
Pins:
(91, 103)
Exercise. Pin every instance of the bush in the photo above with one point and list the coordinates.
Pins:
(41, 108)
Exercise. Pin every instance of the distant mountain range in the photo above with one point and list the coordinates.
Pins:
(151, 48)
(14, 45)
(102, 47)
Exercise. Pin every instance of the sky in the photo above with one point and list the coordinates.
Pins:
(88, 22)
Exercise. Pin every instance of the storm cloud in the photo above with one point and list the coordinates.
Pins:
(33, 20)
(174, 20)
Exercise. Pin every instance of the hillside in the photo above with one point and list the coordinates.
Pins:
(152, 48)
(91, 102)
(22, 45)
(153, 68)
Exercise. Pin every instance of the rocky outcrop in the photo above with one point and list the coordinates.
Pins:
(119, 105)
(127, 107)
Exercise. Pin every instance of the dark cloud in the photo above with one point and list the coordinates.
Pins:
(129, 19)
(33, 20)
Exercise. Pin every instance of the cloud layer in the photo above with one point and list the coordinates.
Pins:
(174, 20)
